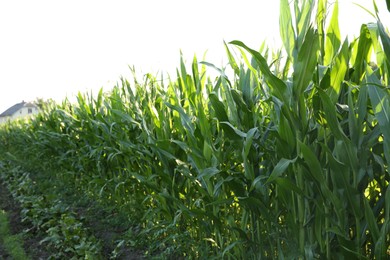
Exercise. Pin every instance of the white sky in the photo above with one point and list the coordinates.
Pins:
(53, 49)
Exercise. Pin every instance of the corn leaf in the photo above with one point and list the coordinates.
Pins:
(232, 60)
(381, 106)
(303, 19)
(286, 184)
(286, 28)
(330, 114)
(218, 107)
(279, 88)
(337, 74)
(363, 53)
(333, 37)
(280, 168)
(312, 162)
(385, 39)
(371, 221)
(306, 63)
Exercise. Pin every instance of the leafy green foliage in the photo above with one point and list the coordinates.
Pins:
(64, 234)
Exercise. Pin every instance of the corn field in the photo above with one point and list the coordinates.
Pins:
(285, 157)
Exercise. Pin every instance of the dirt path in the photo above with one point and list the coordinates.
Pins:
(31, 244)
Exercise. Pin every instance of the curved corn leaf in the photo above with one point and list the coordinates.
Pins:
(280, 168)
(279, 88)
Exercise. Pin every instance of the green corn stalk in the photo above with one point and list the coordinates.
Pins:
(275, 162)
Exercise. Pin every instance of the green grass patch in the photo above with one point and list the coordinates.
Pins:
(13, 244)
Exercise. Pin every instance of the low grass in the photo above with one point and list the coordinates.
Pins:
(12, 244)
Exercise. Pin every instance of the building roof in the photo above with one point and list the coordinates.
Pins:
(10, 111)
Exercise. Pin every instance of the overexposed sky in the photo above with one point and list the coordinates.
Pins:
(53, 49)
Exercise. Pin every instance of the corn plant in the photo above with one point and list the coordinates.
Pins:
(286, 157)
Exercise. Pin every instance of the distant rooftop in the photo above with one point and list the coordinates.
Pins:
(10, 111)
